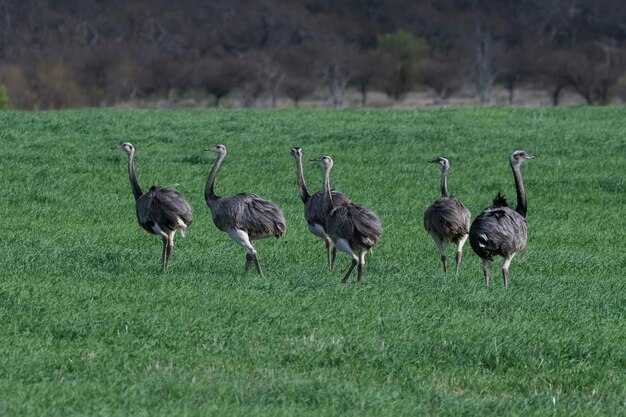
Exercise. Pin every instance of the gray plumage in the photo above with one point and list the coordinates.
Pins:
(447, 219)
(165, 207)
(161, 211)
(499, 230)
(353, 228)
(356, 224)
(316, 210)
(245, 217)
(259, 218)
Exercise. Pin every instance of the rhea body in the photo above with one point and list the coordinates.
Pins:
(316, 210)
(353, 229)
(245, 217)
(447, 219)
(160, 211)
(500, 230)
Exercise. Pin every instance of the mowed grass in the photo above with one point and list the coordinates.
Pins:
(90, 326)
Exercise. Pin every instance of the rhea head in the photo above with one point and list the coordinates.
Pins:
(518, 156)
(325, 160)
(296, 152)
(219, 149)
(126, 147)
(442, 161)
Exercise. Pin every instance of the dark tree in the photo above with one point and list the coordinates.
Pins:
(402, 52)
(443, 74)
(594, 70)
(368, 72)
(300, 76)
(217, 76)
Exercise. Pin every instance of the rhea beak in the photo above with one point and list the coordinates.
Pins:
(119, 146)
(433, 161)
(531, 157)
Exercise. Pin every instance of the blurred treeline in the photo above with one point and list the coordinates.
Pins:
(70, 53)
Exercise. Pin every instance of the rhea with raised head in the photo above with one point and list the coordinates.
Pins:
(316, 210)
(160, 211)
(245, 217)
(500, 230)
(353, 229)
(447, 219)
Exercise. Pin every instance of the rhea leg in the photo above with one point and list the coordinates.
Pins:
(255, 258)
(167, 250)
(165, 237)
(486, 263)
(459, 253)
(344, 246)
(331, 261)
(355, 261)
(361, 265)
(442, 250)
(242, 238)
(505, 269)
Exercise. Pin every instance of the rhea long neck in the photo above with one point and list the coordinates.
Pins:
(134, 184)
(304, 192)
(209, 193)
(519, 188)
(444, 182)
(327, 194)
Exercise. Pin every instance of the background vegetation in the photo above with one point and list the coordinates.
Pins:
(89, 326)
(75, 53)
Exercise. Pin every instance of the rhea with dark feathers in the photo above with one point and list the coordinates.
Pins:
(161, 211)
(499, 230)
(245, 217)
(316, 210)
(352, 228)
(447, 219)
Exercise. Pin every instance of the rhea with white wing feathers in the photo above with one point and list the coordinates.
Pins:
(447, 219)
(499, 230)
(245, 217)
(160, 211)
(316, 210)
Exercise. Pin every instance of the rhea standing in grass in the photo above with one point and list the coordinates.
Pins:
(353, 229)
(447, 219)
(245, 217)
(499, 230)
(315, 208)
(161, 211)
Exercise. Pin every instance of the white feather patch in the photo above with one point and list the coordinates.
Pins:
(482, 239)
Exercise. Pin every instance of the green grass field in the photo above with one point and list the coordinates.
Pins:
(89, 325)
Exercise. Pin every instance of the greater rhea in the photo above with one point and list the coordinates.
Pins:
(315, 208)
(447, 219)
(499, 230)
(245, 217)
(353, 229)
(161, 211)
